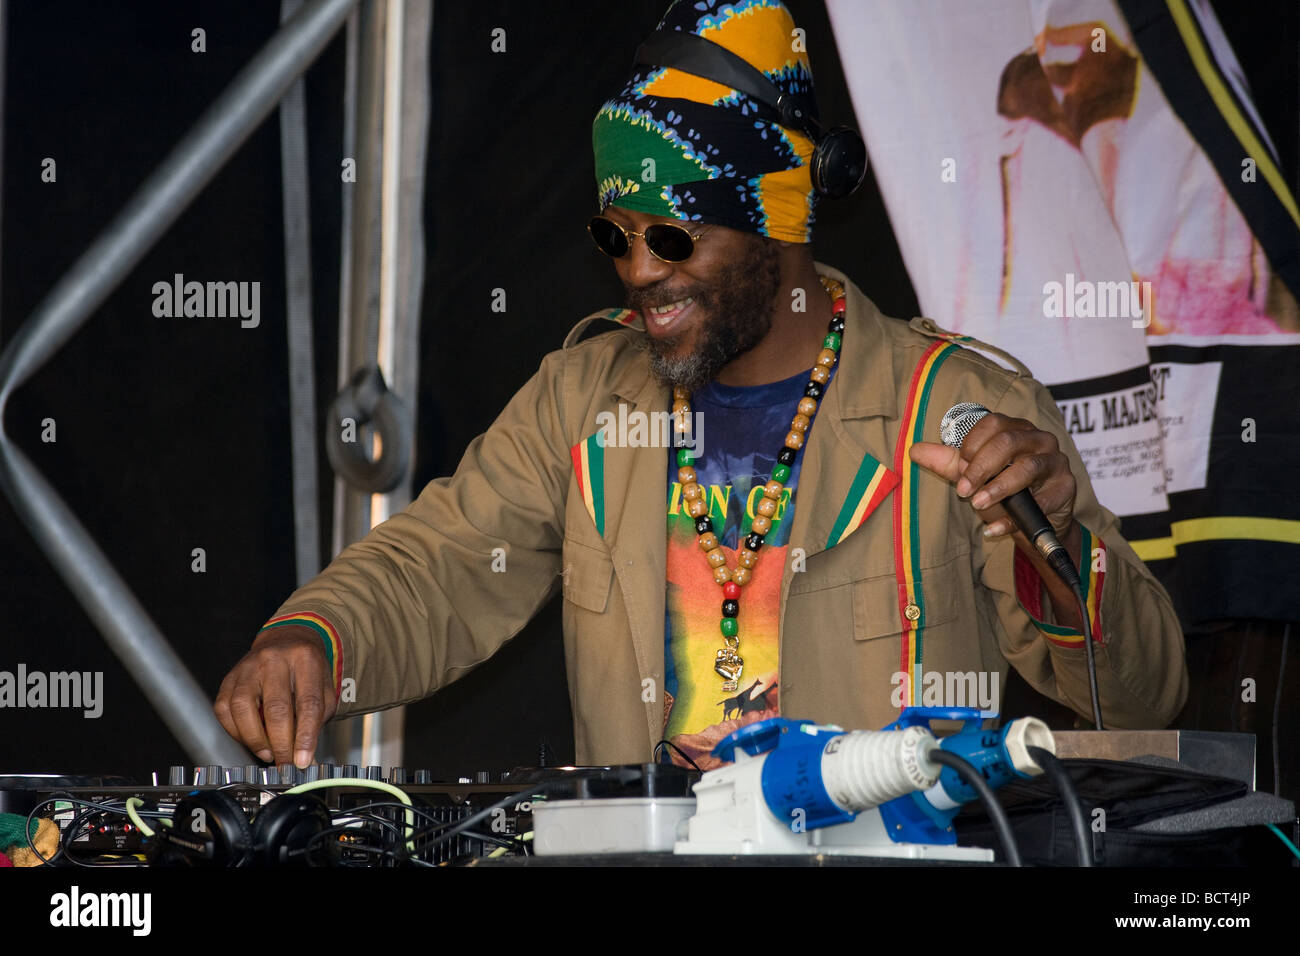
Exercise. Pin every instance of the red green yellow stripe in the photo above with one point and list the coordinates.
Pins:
(589, 470)
(872, 483)
(327, 633)
(1092, 574)
(907, 540)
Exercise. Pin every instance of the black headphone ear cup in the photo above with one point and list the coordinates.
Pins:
(284, 828)
(839, 163)
(216, 820)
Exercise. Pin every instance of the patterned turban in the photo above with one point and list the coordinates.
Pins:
(676, 145)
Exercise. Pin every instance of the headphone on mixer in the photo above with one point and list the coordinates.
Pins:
(839, 160)
(210, 829)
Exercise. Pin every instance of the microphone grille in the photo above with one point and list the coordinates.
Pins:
(958, 421)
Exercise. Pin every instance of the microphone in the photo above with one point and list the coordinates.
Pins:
(1023, 509)
(1029, 518)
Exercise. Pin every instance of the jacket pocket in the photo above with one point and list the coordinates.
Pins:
(875, 600)
(586, 574)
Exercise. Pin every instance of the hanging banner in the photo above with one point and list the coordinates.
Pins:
(1136, 249)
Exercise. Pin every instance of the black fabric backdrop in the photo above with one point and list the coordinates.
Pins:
(173, 433)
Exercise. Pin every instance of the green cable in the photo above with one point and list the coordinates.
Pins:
(388, 788)
(1282, 836)
(131, 804)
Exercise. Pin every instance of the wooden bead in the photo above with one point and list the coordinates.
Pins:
(680, 393)
(742, 576)
(697, 508)
(773, 490)
(800, 423)
(762, 524)
(692, 491)
(717, 558)
(794, 440)
(722, 575)
(807, 406)
(686, 475)
(681, 407)
(826, 358)
(731, 591)
(708, 541)
(821, 375)
(747, 558)
(766, 507)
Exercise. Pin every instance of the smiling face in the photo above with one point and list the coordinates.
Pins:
(722, 297)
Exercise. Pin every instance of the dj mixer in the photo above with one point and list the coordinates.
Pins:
(323, 815)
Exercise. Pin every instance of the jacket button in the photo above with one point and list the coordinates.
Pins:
(912, 612)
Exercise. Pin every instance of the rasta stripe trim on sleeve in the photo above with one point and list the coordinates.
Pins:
(326, 632)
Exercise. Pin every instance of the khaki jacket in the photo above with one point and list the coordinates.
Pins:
(417, 604)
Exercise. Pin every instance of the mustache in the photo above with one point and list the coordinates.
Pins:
(643, 299)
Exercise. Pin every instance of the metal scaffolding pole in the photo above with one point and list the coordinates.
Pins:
(159, 201)
(383, 269)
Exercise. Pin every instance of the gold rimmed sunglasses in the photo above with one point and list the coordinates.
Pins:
(665, 240)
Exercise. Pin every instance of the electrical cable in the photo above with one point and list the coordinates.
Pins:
(131, 804)
(1060, 777)
(1283, 837)
(397, 792)
(460, 826)
(976, 781)
(1087, 644)
(68, 833)
(685, 755)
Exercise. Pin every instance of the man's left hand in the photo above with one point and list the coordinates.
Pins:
(999, 457)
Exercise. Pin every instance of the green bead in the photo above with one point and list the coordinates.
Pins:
(729, 627)
(781, 473)
(832, 341)
(684, 458)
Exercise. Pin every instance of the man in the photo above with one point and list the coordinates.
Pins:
(818, 560)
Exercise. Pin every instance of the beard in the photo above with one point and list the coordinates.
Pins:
(736, 316)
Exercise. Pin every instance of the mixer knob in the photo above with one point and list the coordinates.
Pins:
(270, 777)
(374, 773)
(252, 773)
(350, 771)
(176, 775)
(327, 771)
(398, 776)
(235, 775)
(424, 776)
(312, 773)
(483, 776)
(212, 775)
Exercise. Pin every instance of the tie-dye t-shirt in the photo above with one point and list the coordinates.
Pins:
(743, 429)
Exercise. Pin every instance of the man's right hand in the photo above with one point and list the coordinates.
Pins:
(277, 698)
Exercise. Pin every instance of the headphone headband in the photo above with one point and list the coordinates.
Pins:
(839, 161)
(692, 53)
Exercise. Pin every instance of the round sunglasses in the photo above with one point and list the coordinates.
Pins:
(665, 240)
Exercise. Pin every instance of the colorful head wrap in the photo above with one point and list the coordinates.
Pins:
(676, 145)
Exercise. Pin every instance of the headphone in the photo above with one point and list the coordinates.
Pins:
(210, 829)
(839, 160)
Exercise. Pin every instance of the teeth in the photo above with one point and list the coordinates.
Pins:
(672, 307)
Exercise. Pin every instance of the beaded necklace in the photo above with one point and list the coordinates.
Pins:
(728, 664)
